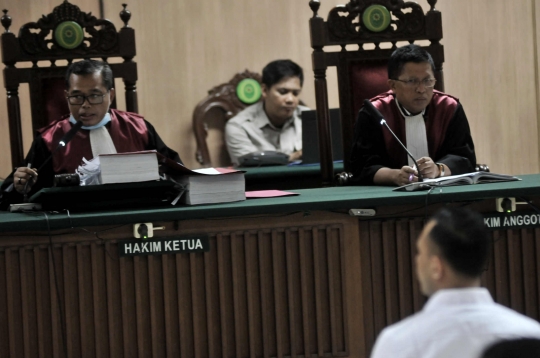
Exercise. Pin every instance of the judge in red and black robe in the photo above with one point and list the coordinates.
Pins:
(431, 124)
(89, 94)
(447, 131)
(129, 132)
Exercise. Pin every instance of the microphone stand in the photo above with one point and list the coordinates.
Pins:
(375, 111)
(61, 144)
(420, 179)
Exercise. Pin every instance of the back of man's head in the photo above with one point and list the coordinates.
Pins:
(277, 70)
(462, 240)
(88, 67)
(409, 53)
(515, 348)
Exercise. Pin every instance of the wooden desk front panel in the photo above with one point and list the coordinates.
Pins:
(270, 286)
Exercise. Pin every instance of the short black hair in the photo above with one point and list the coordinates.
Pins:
(515, 348)
(277, 70)
(463, 240)
(88, 67)
(409, 53)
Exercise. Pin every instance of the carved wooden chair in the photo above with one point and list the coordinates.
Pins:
(66, 33)
(222, 103)
(375, 28)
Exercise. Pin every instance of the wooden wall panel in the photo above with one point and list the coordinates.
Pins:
(490, 66)
(536, 24)
(187, 47)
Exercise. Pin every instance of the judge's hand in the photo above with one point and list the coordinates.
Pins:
(406, 175)
(428, 168)
(22, 176)
(295, 155)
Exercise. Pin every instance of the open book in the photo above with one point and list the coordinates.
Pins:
(461, 179)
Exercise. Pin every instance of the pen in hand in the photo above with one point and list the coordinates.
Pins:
(25, 190)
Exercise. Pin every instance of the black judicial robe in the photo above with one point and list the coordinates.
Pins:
(447, 130)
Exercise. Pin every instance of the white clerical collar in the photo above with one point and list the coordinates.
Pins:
(405, 112)
(104, 121)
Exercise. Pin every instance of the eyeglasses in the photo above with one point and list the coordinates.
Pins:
(92, 99)
(414, 83)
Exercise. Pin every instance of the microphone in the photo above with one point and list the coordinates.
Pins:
(376, 112)
(64, 141)
(69, 135)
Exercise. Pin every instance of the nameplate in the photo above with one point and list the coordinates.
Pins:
(169, 245)
(516, 220)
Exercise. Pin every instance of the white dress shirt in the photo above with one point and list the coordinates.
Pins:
(454, 323)
(251, 130)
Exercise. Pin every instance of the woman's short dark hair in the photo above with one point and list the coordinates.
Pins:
(463, 240)
(277, 70)
(409, 53)
(88, 67)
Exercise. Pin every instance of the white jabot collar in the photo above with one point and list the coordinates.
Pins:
(415, 134)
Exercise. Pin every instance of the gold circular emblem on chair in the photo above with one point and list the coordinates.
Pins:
(69, 35)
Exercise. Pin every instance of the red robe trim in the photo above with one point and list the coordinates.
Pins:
(440, 111)
(128, 133)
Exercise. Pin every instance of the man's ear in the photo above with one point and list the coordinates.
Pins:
(264, 90)
(392, 84)
(112, 94)
(436, 268)
(66, 93)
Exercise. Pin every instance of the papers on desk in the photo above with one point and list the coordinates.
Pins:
(461, 179)
(257, 194)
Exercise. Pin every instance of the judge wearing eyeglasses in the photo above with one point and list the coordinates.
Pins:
(89, 93)
(431, 124)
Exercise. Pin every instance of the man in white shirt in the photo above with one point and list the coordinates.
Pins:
(273, 123)
(460, 319)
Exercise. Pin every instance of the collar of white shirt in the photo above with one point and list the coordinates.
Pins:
(261, 119)
(458, 296)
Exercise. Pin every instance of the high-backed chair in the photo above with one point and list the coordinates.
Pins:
(66, 33)
(374, 29)
(222, 103)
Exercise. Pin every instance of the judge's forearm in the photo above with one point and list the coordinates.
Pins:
(386, 176)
